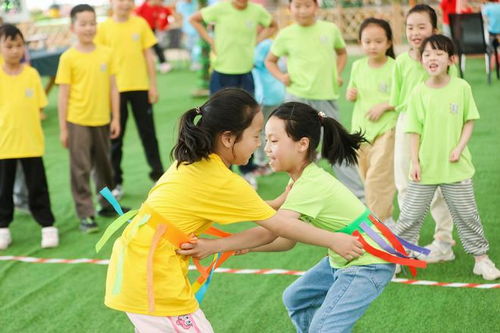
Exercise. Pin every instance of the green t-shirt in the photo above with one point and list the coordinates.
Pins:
(311, 59)
(438, 115)
(373, 86)
(235, 34)
(326, 203)
(408, 73)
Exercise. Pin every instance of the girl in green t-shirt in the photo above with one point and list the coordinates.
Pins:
(369, 88)
(441, 114)
(421, 22)
(334, 294)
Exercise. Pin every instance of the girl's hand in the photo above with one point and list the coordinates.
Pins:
(347, 246)
(415, 172)
(340, 81)
(198, 248)
(286, 79)
(114, 129)
(376, 112)
(351, 94)
(455, 155)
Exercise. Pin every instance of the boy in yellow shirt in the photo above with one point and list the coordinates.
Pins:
(88, 95)
(21, 138)
(132, 40)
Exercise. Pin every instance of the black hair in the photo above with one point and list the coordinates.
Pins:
(230, 109)
(9, 31)
(384, 25)
(439, 42)
(302, 121)
(422, 8)
(80, 9)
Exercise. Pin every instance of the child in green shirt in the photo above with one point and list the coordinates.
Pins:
(421, 22)
(316, 57)
(369, 89)
(441, 114)
(334, 294)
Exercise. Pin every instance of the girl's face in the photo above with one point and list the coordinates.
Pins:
(304, 11)
(12, 50)
(435, 62)
(240, 4)
(418, 28)
(249, 141)
(284, 153)
(374, 41)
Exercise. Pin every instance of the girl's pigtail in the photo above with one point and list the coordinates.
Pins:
(340, 146)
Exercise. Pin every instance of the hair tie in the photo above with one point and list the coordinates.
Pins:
(198, 110)
(322, 116)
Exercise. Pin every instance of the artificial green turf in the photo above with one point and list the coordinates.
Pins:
(69, 298)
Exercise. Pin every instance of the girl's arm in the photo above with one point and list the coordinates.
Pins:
(464, 139)
(267, 31)
(280, 200)
(150, 63)
(62, 106)
(115, 109)
(196, 21)
(341, 62)
(286, 224)
(414, 149)
(378, 110)
(280, 244)
(272, 66)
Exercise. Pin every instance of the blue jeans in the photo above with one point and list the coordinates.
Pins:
(219, 81)
(327, 299)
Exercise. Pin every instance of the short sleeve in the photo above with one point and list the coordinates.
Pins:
(40, 92)
(414, 113)
(264, 18)
(64, 70)
(148, 37)
(470, 108)
(279, 45)
(338, 42)
(210, 14)
(237, 201)
(308, 205)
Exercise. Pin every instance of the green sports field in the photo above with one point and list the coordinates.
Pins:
(69, 298)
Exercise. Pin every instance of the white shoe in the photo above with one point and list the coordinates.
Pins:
(440, 251)
(165, 68)
(487, 269)
(5, 238)
(50, 237)
(118, 192)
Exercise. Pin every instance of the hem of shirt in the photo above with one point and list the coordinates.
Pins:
(374, 262)
(120, 90)
(314, 98)
(125, 308)
(446, 182)
(98, 124)
(231, 72)
(10, 157)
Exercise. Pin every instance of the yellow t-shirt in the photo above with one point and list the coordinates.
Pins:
(21, 98)
(191, 197)
(88, 75)
(128, 40)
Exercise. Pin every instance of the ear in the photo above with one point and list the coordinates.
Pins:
(303, 144)
(227, 139)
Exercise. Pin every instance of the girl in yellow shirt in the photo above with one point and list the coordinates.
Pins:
(147, 279)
